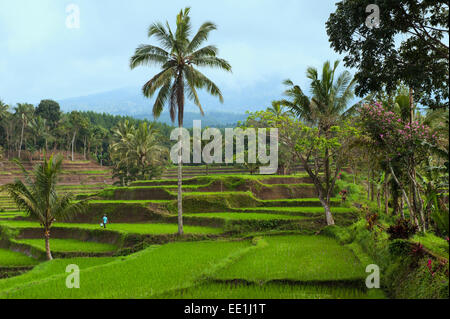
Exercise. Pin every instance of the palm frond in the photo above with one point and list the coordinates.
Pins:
(157, 81)
(147, 55)
(201, 36)
(212, 62)
(201, 81)
(161, 99)
(164, 36)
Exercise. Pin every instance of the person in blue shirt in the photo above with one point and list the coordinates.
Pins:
(105, 221)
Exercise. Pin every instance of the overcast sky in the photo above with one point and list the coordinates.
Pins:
(264, 40)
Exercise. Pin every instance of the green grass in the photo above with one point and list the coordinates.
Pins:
(7, 216)
(246, 216)
(145, 274)
(213, 193)
(54, 267)
(299, 209)
(221, 176)
(82, 186)
(314, 199)
(10, 258)
(299, 258)
(270, 291)
(70, 245)
(81, 172)
(146, 228)
(434, 243)
(128, 201)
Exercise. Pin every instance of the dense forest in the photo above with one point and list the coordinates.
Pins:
(26, 131)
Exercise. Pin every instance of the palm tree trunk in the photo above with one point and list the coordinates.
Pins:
(180, 180)
(180, 101)
(47, 244)
(73, 142)
(84, 148)
(327, 170)
(21, 138)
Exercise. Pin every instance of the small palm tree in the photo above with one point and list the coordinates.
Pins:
(39, 199)
(177, 59)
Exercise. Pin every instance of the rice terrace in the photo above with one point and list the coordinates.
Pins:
(329, 183)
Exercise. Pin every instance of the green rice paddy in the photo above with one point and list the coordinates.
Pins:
(299, 258)
(144, 228)
(287, 265)
(246, 216)
(10, 258)
(270, 291)
(70, 245)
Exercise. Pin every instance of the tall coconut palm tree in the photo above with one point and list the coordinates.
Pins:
(7, 123)
(177, 57)
(39, 199)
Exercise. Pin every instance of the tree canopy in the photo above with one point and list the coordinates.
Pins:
(410, 45)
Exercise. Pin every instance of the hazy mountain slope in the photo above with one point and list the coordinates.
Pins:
(129, 101)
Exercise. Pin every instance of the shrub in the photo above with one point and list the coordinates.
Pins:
(401, 230)
(441, 218)
(399, 247)
(371, 219)
(417, 251)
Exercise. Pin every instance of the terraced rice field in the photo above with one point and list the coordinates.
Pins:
(304, 259)
(247, 216)
(269, 291)
(70, 245)
(141, 228)
(10, 258)
(220, 256)
(204, 265)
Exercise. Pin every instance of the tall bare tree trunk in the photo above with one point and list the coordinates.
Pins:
(386, 195)
(402, 213)
(327, 170)
(180, 181)
(180, 102)
(413, 188)
(84, 148)
(47, 244)
(372, 187)
(379, 199)
(411, 209)
(21, 137)
(73, 142)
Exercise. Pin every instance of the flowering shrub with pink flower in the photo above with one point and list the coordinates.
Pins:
(397, 137)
